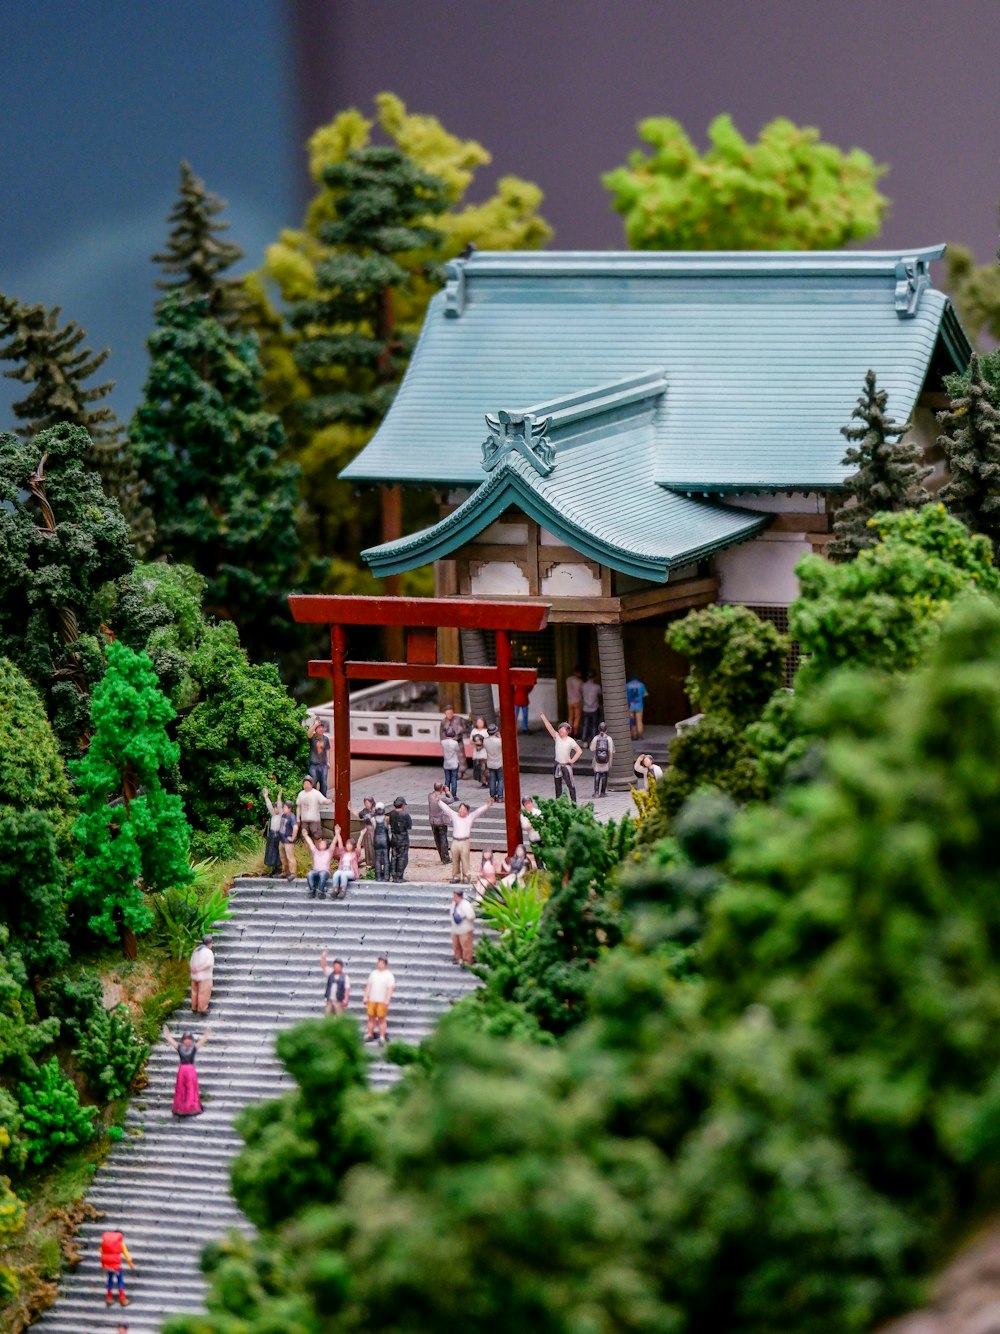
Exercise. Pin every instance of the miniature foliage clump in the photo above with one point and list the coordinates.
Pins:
(197, 256)
(107, 1047)
(787, 191)
(132, 836)
(888, 473)
(53, 1119)
(970, 439)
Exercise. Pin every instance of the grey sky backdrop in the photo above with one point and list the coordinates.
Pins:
(104, 99)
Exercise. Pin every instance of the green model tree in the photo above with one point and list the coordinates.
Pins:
(210, 457)
(197, 257)
(131, 836)
(61, 541)
(787, 191)
(975, 289)
(888, 472)
(51, 359)
(970, 439)
(325, 426)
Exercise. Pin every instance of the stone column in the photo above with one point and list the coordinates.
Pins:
(474, 655)
(611, 653)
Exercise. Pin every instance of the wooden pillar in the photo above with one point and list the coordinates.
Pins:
(508, 737)
(612, 655)
(392, 528)
(341, 731)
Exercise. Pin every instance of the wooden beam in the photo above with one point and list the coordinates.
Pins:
(800, 523)
(479, 614)
(433, 671)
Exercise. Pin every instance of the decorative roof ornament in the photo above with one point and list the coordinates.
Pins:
(519, 432)
(912, 279)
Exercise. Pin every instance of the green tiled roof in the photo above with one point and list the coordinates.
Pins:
(585, 474)
(763, 354)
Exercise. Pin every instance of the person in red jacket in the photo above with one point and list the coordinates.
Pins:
(113, 1252)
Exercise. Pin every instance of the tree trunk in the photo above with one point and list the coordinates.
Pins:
(130, 944)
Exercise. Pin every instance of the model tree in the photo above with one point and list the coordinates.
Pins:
(324, 436)
(888, 473)
(132, 836)
(210, 458)
(975, 289)
(971, 442)
(61, 541)
(787, 191)
(196, 256)
(56, 362)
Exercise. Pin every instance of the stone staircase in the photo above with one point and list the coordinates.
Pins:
(166, 1184)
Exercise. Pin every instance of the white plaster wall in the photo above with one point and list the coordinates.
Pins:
(500, 578)
(567, 580)
(762, 572)
(508, 533)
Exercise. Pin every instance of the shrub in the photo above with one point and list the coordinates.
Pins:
(53, 1118)
(107, 1048)
(184, 915)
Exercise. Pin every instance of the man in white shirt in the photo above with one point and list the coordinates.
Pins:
(202, 967)
(338, 985)
(307, 809)
(378, 993)
(567, 754)
(463, 917)
(461, 822)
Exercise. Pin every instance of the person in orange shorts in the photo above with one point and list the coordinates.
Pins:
(378, 994)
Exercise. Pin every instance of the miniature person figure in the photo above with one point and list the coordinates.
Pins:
(461, 822)
(530, 837)
(322, 855)
(591, 692)
(566, 755)
(521, 695)
(463, 918)
(113, 1253)
(338, 985)
(494, 761)
(457, 728)
(400, 824)
(187, 1097)
(574, 699)
(378, 995)
(286, 840)
(645, 769)
(603, 749)
(636, 693)
(307, 809)
(202, 969)
(272, 846)
(439, 825)
(366, 839)
(319, 754)
(380, 842)
(347, 870)
(478, 738)
(451, 758)
(515, 867)
(487, 877)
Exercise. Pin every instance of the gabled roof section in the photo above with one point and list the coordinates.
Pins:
(765, 354)
(580, 467)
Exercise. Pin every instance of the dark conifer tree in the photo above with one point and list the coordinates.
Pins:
(970, 439)
(196, 256)
(888, 472)
(56, 363)
(210, 457)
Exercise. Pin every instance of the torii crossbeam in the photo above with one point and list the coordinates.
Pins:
(421, 617)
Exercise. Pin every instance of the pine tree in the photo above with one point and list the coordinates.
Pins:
(196, 256)
(51, 359)
(132, 836)
(888, 474)
(341, 523)
(209, 455)
(971, 442)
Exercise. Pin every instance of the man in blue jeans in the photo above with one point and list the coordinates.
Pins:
(451, 758)
(494, 761)
(319, 753)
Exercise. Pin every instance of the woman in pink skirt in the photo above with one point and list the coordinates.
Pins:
(187, 1100)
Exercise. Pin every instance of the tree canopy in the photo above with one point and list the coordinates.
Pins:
(197, 256)
(970, 439)
(787, 191)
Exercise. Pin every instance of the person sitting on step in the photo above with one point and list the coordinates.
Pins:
(322, 855)
(347, 870)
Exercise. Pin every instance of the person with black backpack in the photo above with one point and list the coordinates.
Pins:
(338, 985)
(603, 748)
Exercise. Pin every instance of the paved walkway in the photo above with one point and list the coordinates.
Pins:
(166, 1184)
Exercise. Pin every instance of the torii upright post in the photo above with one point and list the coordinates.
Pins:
(421, 617)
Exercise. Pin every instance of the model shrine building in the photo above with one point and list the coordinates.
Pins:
(630, 435)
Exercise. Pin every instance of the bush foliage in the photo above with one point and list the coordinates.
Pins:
(52, 1118)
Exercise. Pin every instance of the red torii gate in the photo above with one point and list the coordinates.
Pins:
(421, 617)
